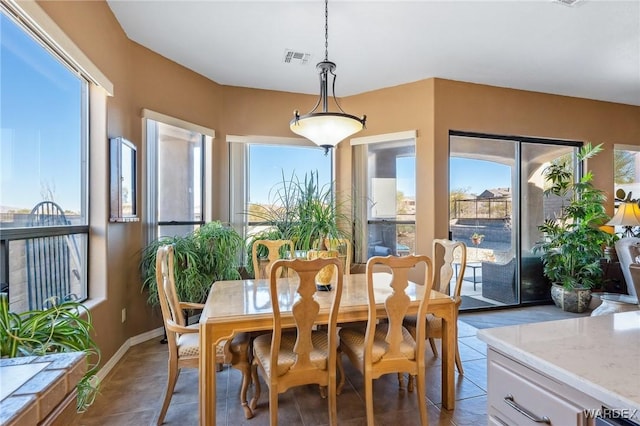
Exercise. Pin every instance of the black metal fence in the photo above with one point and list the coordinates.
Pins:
(481, 208)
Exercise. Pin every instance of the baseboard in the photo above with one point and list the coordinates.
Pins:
(141, 338)
(132, 341)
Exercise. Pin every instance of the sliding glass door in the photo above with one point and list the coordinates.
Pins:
(482, 175)
(534, 208)
(496, 204)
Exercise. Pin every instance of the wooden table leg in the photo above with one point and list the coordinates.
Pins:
(207, 378)
(449, 335)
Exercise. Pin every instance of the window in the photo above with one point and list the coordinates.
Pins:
(497, 202)
(260, 164)
(626, 164)
(176, 154)
(385, 166)
(43, 177)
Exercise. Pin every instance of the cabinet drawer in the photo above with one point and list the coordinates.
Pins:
(518, 396)
(495, 420)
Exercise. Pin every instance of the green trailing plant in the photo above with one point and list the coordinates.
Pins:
(208, 254)
(573, 241)
(64, 327)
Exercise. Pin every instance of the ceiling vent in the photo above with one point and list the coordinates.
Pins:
(566, 2)
(293, 57)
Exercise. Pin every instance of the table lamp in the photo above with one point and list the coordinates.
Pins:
(627, 216)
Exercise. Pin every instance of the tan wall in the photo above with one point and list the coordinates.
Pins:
(143, 79)
(250, 112)
(434, 107)
(485, 109)
(396, 109)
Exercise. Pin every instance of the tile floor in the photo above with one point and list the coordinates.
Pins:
(132, 392)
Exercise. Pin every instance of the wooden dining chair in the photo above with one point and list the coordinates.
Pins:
(387, 346)
(341, 245)
(273, 248)
(299, 354)
(184, 340)
(444, 256)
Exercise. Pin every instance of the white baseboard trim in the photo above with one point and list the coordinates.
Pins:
(151, 334)
(132, 341)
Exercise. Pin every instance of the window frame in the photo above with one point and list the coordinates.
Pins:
(151, 172)
(361, 185)
(23, 20)
(239, 180)
(631, 189)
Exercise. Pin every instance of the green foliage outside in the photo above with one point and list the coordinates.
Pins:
(624, 166)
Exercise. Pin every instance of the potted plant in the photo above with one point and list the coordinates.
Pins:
(306, 213)
(208, 254)
(476, 239)
(64, 327)
(609, 249)
(572, 243)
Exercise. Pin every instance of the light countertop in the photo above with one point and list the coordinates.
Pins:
(33, 387)
(599, 356)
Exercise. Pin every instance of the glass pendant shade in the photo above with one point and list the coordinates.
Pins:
(326, 129)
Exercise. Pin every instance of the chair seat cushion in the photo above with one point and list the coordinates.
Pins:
(434, 325)
(287, 356)
(189, 345)
(353, 338)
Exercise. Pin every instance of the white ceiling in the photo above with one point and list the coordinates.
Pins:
(588, 50)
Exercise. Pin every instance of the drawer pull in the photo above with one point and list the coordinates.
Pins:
(528, 414)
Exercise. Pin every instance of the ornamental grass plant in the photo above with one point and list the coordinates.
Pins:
(303, 211)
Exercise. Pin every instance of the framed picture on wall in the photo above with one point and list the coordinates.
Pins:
(123, 169)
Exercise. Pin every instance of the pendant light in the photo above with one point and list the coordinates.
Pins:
(325, 128)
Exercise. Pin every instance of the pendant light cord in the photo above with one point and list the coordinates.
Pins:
(326, 30)
(326, 129)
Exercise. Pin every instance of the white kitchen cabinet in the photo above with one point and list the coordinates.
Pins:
(559, 369)
(519, 395)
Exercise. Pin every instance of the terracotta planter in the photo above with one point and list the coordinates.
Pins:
(324, 277)
(575, 300)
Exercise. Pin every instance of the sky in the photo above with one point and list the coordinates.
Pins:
(477, 175)
(40, 131)
(40, 136)
(266, 167)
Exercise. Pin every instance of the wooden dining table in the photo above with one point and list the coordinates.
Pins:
(245, 305)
